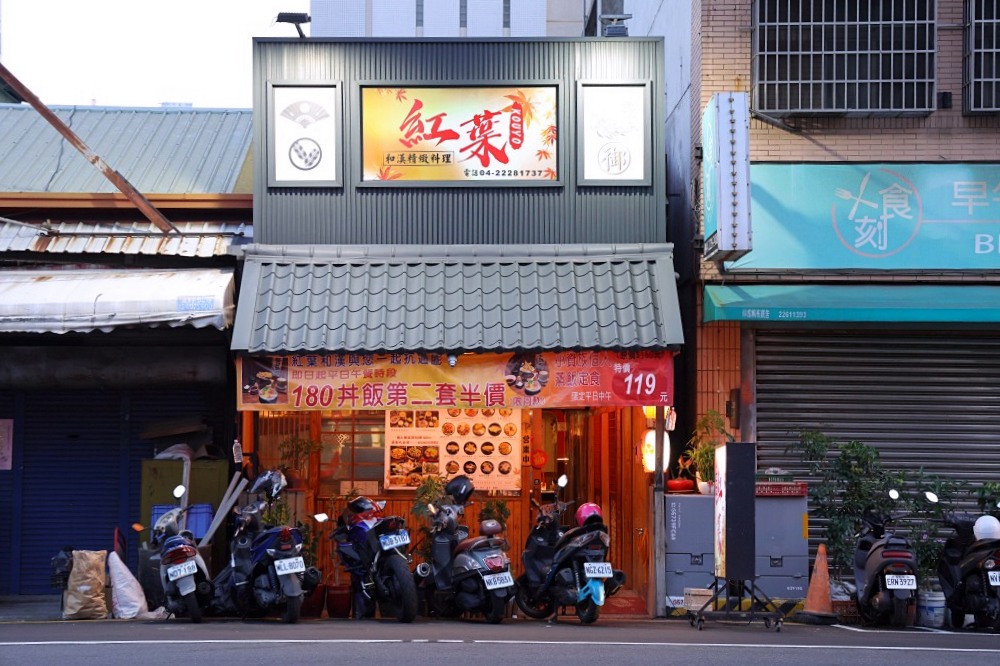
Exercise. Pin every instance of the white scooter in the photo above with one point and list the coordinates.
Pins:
(183, 574)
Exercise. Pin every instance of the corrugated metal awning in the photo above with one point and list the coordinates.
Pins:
(457, 298)
(800, 303)
(196, 239)
(88, 300)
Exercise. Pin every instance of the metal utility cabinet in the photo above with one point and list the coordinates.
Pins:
(782, 566)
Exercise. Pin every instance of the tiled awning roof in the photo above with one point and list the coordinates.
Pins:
(457, 298)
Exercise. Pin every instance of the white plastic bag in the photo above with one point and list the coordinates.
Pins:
(127, 598)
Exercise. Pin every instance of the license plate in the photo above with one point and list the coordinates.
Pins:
(597, 569)
(498, 580)
(290, 565)
(905, 582)
(390, 541)
(188, 568)
(994, 578)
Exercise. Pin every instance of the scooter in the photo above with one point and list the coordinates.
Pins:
(567, 568)
(266, 570)
(969, 569)
(372, 548)
(187, 585)
(465, 574)
(885, 571)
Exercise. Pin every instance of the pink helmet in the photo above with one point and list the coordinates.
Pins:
(587, 511)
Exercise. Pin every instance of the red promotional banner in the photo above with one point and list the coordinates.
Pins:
(414, 380)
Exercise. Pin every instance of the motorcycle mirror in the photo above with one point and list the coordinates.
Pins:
(179, 491)
(893, 494)
(931, 497)
(562, 481)
(138, 527)
(380, 504)
(321, 517)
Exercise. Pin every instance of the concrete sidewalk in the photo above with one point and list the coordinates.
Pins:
(30, 608)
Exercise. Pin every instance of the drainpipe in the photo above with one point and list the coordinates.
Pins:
(118, 180)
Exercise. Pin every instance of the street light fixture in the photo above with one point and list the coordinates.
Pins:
(295, 18)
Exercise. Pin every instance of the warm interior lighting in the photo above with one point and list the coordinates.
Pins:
(649, 451)
(649, 412)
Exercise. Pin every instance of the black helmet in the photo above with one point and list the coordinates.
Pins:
(360, 504)
(460, 488)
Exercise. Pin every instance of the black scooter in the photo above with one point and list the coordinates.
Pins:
(969, 570)
(566, 568)
(885, 571)
(465, 574)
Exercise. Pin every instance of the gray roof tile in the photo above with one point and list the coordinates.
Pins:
(457, 298)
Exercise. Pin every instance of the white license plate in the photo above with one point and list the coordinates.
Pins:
(290, 565)
(904, 582)
(188, 568)
(994, 578)
(390, 541)
(498, 580)
(597, 569)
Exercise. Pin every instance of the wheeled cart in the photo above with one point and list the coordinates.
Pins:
(736, 600)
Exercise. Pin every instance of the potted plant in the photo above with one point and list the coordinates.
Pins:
(847, 479)
(709, 433)
(682, 481)
(430, 490)
(293, 453)
(495, 509)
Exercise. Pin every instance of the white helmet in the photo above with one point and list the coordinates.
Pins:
(986, 527)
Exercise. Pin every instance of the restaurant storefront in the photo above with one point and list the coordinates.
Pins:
(461, 271)
(379, 422)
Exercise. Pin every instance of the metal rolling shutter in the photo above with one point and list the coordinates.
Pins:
(928, 399)
(71, 478)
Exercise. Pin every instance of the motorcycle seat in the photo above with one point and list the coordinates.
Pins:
(475, 542)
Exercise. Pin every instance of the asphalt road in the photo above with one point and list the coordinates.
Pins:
(434, 643)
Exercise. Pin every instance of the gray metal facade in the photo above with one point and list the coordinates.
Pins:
(563, 213)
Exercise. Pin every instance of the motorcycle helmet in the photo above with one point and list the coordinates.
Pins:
(588, 512)
(460, 488)
(986, 527)
(271, 483)
(362, 509)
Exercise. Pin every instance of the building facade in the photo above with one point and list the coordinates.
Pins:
(461, 268)
(865, 307)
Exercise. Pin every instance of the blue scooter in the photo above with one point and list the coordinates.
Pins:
(266, 569)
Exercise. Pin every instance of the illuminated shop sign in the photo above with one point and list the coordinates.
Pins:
(410, 380)
(496, 135)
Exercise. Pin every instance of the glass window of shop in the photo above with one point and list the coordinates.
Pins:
(350, 448)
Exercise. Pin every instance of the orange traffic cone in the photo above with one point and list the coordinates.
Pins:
(818, 608)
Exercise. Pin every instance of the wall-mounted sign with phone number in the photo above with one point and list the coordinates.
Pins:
(412, 380)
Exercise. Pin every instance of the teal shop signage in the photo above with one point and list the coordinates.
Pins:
(874, 217)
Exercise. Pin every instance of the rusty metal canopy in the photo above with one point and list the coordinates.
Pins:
(457, 298)
(89, 300)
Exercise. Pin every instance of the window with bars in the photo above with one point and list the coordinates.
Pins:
(981, 92)
(857, 57)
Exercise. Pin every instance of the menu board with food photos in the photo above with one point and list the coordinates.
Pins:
(480, 443)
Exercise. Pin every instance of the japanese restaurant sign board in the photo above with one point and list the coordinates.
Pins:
(411, 380)
(483, 444)
(457, 135)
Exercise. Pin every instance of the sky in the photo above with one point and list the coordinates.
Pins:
(139, 52)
